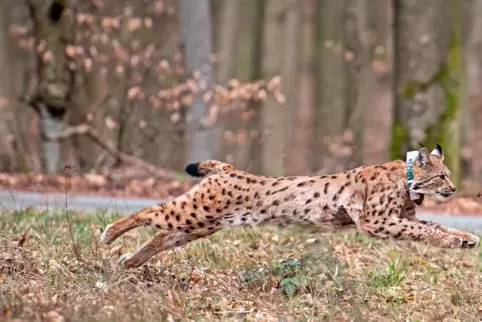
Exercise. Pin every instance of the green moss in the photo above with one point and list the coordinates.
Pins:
(414, 87)
(400, 136)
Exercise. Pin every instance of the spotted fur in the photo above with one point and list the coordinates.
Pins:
(373, 200)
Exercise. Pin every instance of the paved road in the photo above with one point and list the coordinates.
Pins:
(18, 200)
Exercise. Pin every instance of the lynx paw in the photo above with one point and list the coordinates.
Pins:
(104, 236)
(472, 242)
(124, 258)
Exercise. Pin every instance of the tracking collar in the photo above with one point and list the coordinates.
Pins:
(411, 157)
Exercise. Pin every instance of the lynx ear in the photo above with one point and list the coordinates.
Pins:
(423, 157)
(438, 151)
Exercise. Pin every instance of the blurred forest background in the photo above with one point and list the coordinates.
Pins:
(275, 87)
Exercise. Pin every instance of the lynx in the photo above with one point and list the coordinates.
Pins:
(374, 200)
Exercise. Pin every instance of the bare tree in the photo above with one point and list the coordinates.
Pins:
(300, 145)
(375, 97)
(228, 40)
(228, 43)
(273, 114)
(471, 107)
(6, 153)
(255, 148)
(330, 83)
(357, 62)
(427, 77)
(53, 82)
(290, 75)
(195, 25)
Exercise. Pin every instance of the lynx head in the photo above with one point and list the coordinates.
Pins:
(431, 176)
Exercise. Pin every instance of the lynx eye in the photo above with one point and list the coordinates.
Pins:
(442, 176)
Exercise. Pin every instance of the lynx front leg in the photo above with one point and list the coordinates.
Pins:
(472, 240)
(384, 221)
(403, 229)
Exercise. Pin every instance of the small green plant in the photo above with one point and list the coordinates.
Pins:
(393, 275)
(293, 276)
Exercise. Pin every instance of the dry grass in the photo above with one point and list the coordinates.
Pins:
(236, 274)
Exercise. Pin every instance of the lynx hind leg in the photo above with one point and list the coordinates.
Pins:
(143, 217)
(161, 241)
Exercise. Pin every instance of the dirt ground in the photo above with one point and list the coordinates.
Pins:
(162, 188)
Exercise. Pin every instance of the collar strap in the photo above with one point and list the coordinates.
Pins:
(411, 157)
(410, 174)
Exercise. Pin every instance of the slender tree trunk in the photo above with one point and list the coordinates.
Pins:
(228, 47)
(50, 126)
(6, 152)
(254, 161)
(273, 114)
(290, 76)
(330, 86)
(228, 29)
(356, 56)
(195, 25)
(55, 79)
(22, 122)
(471, 107)
(376, 96)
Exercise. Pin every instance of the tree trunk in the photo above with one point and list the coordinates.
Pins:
(290, 76)
(356, 56)
(255, 162)
(50, 126)
(54, 77)
(228, 28)
(376, 96)
(298, 156)
(427, 77)
(273, 114)
(471, 107)
(6, 152)
(228, 47)
(330, 89)
(195, 25)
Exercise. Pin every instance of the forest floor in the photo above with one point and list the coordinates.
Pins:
(165, 188)
(53, 268)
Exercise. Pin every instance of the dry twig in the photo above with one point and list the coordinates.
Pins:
(84, 129)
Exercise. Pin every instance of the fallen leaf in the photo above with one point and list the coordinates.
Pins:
(23, 239)
(196, 275)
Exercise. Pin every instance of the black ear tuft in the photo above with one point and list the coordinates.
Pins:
(438, 151)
